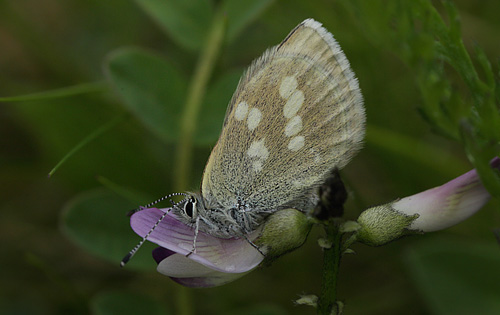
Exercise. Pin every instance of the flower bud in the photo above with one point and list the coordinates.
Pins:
(283, 232)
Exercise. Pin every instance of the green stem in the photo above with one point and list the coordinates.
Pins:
(196, 92)
(327, 303)
(83, 88)
(184, 305)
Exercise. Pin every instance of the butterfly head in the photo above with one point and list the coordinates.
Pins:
(215, 219)
(188, 208)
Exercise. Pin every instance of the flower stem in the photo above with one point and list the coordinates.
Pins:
(196, 92)
(184, 305)
(327, 303)
(192, 107)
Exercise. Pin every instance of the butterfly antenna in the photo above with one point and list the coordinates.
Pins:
(136, 248)
(149, 205)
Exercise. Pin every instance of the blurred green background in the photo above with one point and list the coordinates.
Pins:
(62, 237)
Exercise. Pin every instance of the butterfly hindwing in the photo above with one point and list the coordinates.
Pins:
(296, 115)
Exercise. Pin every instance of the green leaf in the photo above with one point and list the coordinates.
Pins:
(459, 97)
(186, 21)
(124, 192)
(97, 222)
(241, 13)
(151, 88)
(457, 277)
(214, 108)
(124, 303)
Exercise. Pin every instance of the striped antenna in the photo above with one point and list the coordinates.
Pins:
(149, 205)
(144, 239)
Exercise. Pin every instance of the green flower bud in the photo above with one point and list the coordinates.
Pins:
(283, 232)
(382, 224)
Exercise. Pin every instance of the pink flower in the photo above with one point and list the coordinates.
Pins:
(432, 210)
(217, 261)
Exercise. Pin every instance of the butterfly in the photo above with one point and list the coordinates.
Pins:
(296, 115)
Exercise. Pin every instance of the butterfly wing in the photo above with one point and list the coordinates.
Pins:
(296, 115)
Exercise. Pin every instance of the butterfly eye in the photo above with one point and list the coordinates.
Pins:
(190, 208)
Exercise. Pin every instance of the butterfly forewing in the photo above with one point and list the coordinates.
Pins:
(296, 115)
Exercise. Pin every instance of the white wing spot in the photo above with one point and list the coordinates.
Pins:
(257, 165)
(241, 111)
(288, 86)
(296, 143)
(254, 117)
(258, 149)
(294, 126)
(293, 104)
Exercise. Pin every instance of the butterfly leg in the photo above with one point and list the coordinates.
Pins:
(196, 228)
(254, 246)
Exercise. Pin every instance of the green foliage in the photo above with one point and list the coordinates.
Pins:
(214, 108)
(151, 88)
(62, 92)
(186, 21)
(96, 221)
(441, 270)
(461, 105)
(409, 56)
(124, 303)
(240, 13)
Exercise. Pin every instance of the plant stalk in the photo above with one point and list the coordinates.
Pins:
(327, 302)
(184, 153)
(196, 93)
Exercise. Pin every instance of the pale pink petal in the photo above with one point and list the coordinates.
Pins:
(226, 255)
(192, 274)
(446, 205)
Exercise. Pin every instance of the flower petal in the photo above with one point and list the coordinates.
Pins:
(444, 206)
(188, 272)
(208, 282)
(235, 255)
(432, 210)
(160, 253)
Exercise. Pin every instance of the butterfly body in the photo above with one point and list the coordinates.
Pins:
(296, 115)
